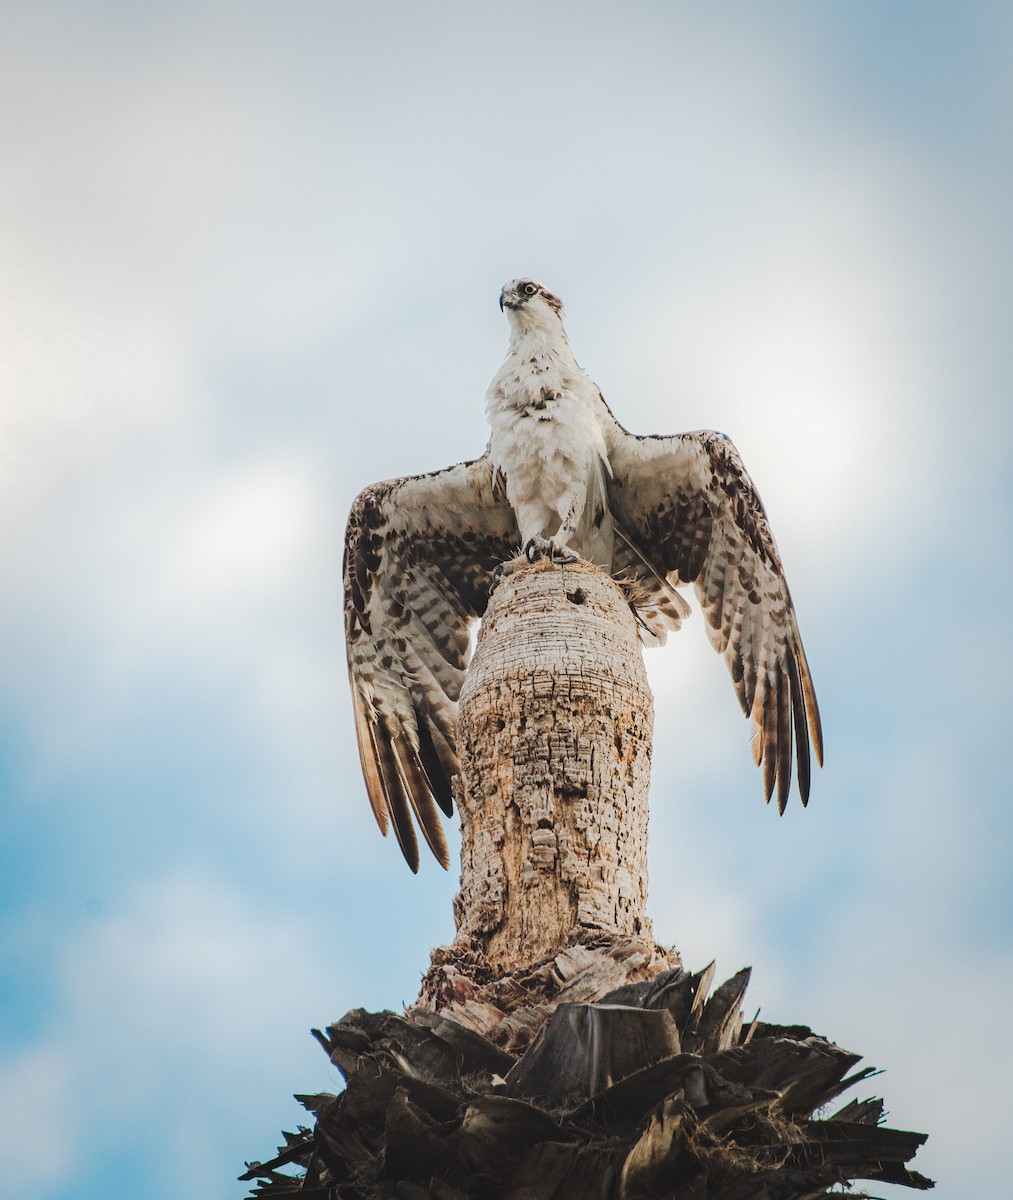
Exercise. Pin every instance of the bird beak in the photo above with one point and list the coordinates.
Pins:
(501, 301)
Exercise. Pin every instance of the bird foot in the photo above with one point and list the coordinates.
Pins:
(534, 551)
(504, 569)
(557, 552)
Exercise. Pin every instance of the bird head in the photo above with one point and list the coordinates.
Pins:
(530, 299)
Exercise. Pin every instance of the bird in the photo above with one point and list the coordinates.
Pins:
(561, 479)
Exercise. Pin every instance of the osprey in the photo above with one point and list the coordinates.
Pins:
(561, 478)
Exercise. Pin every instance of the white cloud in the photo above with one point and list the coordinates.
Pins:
(184, 998)
(240, 543)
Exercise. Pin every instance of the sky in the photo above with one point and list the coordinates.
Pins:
(250, 257)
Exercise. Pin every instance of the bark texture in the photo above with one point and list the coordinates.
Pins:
(554, 733)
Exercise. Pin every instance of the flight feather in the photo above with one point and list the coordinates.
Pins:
(419, 556)
(689, 505)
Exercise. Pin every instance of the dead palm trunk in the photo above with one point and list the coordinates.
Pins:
(555, 732)
(556, 1052)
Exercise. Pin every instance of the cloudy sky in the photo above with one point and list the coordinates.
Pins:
(249, 262)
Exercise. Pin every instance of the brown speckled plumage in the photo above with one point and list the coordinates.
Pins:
(656, 512)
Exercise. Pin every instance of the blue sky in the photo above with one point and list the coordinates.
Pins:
(250, 259)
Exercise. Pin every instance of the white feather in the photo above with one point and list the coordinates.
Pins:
(548, 438)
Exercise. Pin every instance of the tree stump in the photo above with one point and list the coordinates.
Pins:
(554, 735)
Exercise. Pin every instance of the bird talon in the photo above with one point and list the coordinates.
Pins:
(562, 555)
(497, 577)
(503, 570)
(556, 552)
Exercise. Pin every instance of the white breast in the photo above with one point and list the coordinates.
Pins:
(547, 441)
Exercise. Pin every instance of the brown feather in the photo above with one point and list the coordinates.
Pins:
(367, 757)
(419, 553)
(769, 741)
(784, 746)
(687, 502)
(434, 766)
(812, 708)
(417, 790)
(397, 801)
(801, 741)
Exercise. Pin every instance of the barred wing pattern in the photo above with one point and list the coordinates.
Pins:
(419, 557)
(695, 516)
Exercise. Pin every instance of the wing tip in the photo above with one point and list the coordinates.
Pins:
(398, 782)
(776, 718)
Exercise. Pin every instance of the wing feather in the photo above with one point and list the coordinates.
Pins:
(801, 741)
(434, 765)
(696, 517)
(394, 794)
(419, 555)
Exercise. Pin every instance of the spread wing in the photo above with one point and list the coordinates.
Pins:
(695, 516)
(419, 556)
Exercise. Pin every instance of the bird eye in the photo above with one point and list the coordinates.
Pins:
(530, 289)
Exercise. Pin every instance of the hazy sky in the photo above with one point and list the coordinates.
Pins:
(249, 262)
